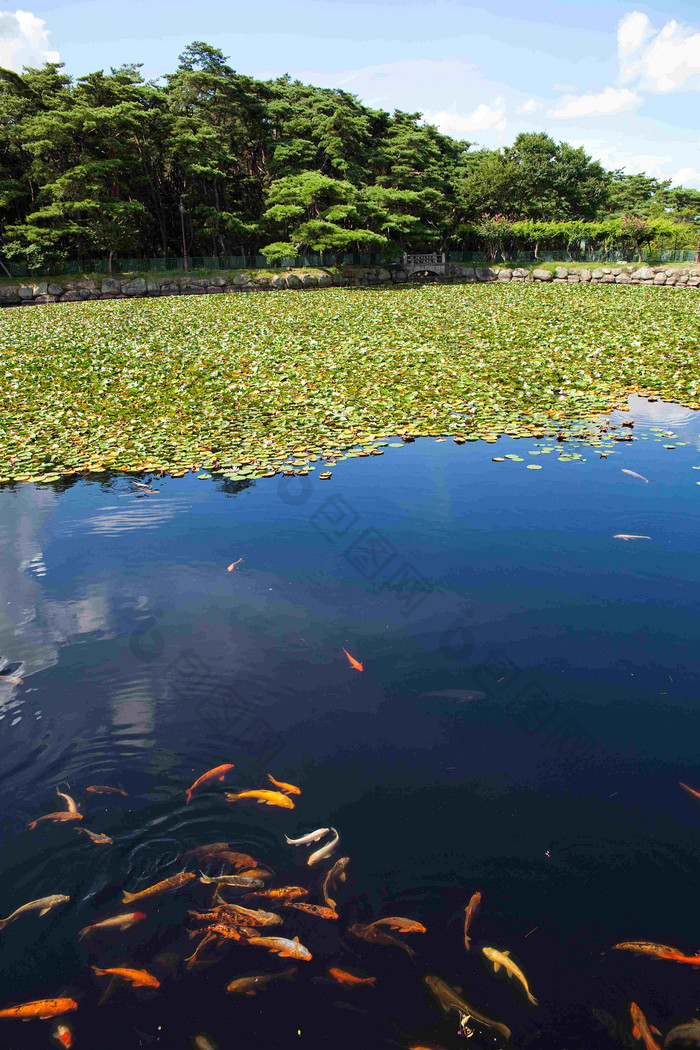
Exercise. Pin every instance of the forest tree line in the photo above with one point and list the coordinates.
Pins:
(207, 161)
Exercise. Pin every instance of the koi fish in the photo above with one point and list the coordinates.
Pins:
(97, 837)
(252, 985)
(244, 881)
(626, 536)
(62, 1034)
(375, 936)
(284, 894)
(42, 1008)
(315, 909)
(262, 797)
(218, 773)
(105, 789)
(659, 951)
(173, 883)
(70, 802)
(137, 978)
(282, 946)
(233, 565)
(457, 696)
(288, 789)
(450, 1000)
(313, 836)
(397, 923)
(55, 817)
(336, 872)
(353, 662)
(263, 874)
(325, 851)
(469, 916)
(502, 959)
(42, 905)
(203, 1042)
(235, 913)
(641, 1028)
(116, 922)
(695, 795)
(221, 851)
(634, 474)
(343, 977)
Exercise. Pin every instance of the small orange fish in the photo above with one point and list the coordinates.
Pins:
(315, 909)
(353, 662)
(55, 817)
(105, 789)
(97, 837)
(172, 883)
(376, 936)
(397, 923)
(695, 795)
(233, 565)
(641, 1028)
(282, 946)
(343, 977)
(262, 797)
(469, 915)
(218, 773)
(117, 922)
(137, 978)
(658, 951)
(283, 894)
(42, 1008)
(62, 1034)
(288, 789)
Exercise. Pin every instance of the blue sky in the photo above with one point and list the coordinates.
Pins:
(621, 79)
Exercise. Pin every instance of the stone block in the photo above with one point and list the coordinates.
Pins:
(25, 292)
(561, 272)
(485, 273)
(70, 297)
(308, 280)
(660, 278)
(584, 275)
(598, 274)
(573, 278)
(542, 275)
(110, 284)
(136, 287)
(325, 279)
(520, 271)
(44, 297)
(505, 274)
(279, 281)
(645, 273)
(622, 278)
(293, 281)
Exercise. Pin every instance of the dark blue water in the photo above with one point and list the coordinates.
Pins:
(145, 663)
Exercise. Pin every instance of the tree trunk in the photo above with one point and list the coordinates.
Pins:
(109, 263)
(185, 262)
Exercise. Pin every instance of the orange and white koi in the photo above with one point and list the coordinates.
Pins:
(469, 915)
(641, 1029)
(658, 951)
(288, 789)
(116, 922)
(62, 1034)
(316, 910)
(97, 837)
(353, 662)
(634, 474)
(283, 894)
(218, 773)
(137, 978)
(627, 536)
(55, 818)
(242, 881)
(325, 851)
(252, 985)
(70, 802)
(173, 883)
(262, 797)
(343, 977)
(395, 922)
(282, 946)
(42, 1008)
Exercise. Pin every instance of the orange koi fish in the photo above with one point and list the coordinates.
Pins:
(233, 565)
(173, 883)
(97, 837)
(42, 1008)
(288, 789)
(105, 789)
(221, 851)
(469, 916)
(343, 977)
(238, 915)
(218, 773)
(55, 817)
(659, 951)
(62, 1034)
(137, 978)
(283, 947)
(315, 909)
(252, 985)
(353, 662)
(283, 894)
(263, 798)
(375, 936)
(70, 802)
(641, 1028)
(116, 922)
(397, 923)
(695, 795)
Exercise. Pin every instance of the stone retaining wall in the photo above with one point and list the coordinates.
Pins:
(73, 290)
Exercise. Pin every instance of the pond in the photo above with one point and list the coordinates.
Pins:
(527, 706)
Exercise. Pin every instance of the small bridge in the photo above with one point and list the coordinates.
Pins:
(435, 262)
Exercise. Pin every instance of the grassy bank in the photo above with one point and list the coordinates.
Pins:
(265, 383)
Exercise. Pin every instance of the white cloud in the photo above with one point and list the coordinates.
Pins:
(613, 157)
(602, 103)
(662, 60)
(24, 40)
(529, 107)
(687, 177)
(481, 119)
